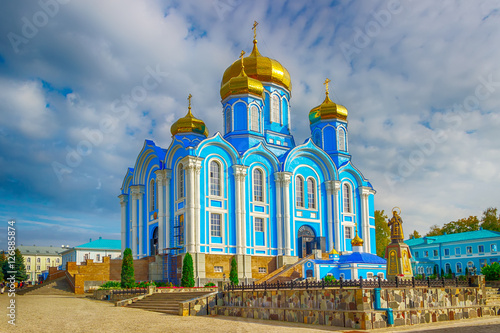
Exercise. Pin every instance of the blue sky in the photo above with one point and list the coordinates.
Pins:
(84, 83)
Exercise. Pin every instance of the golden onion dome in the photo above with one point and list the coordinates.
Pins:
(327, 109)
(333, 252)
(242, 84)
(260, 68)
(189, 124)
(357, 241)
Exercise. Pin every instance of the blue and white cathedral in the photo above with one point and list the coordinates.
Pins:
(251, 192)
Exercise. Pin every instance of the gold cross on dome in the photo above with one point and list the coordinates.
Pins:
(189, 100)
(241, 57)
(326, 85)
(255, 24)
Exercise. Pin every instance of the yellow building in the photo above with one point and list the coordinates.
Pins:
(39, 258)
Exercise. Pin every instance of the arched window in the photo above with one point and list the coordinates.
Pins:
(257, 185)
(180, 177)
(470, 265)
(429, 270)
(275, 109)
(254, 118)
(447, 268)
(228, 120)
(311, 193)
(299, 191)
(215, 178)
(341, 145)
(420, 270)
(347, 198)
(459, 267)
(152, 196)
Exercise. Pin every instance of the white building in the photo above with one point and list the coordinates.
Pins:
(94, 250)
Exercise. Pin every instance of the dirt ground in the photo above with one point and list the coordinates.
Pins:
(56, 313)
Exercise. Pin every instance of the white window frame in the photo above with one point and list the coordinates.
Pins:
(426, 254)
(470, 265)
(152, 196)
(369, 275)
(299, 191)
(446, 266)
(457, 251)
(341, 134)
(458, 267)
(435, 253)
(256, 185)
(215, 187)
(468, 250)
(259, 227)
(347, 198)
(311, 193)
(214, 232)
(479, 249)
(275, 108)
(446, 250)
(262, 270)
(348, 232)
(493, 248)
(415, 254)
(218, 269)
(429, 270)
(228, 120)
(254, 118)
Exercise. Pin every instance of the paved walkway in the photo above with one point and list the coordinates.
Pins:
(58, 313)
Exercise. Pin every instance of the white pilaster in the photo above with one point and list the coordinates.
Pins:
(240, 173)
(136, 191)
(336, 210)
(287, 176)
(168, 178)
(123, 204)
(279, 217)
(160, 183)
(191, 164)
(365, 192)
(140, 195)
(330, 186)
(197, 171)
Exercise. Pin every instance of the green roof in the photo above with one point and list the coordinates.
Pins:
(40, 250)
(102, 244)
(460, 237)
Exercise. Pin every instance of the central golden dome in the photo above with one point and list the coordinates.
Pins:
(260, 68)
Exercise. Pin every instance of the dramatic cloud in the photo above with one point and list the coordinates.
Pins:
(83, 83)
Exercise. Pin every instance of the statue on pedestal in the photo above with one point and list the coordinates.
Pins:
(397, 253)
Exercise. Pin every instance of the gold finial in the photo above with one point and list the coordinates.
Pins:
(189, 101)
(357, 241)
(326, 85)
(241, 57)
(255, 24)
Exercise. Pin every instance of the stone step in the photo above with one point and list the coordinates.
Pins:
(152, 307)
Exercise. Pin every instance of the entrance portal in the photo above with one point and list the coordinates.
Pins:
(154, 242)
(306, 241)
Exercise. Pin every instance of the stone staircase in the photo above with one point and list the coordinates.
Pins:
(285, 273)
(166, 302)
(58, 286)
(493, 296)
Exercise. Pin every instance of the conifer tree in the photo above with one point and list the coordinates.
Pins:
(187, 271)
(233, 275)
(127, 276)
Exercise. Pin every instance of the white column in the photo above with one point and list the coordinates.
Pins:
(166, 235)
(240, 173)
(336, 210)
(197, 236)
(160, 183)
(191, 165)
(286, 200)
(365, 221)
(279, 217)
(141, 220)
(329, 192)
(124, 203)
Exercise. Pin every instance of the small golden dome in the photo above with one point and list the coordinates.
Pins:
(327, 109)
(242, 84)
(189, 123)
(260, 68)
(333, 251)
(357, 241)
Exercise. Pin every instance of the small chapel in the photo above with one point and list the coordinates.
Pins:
(250, 193)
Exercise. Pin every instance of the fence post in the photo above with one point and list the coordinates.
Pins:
(307, 284)
(265, 285)
(341, 282)
(323, 283)
(456, 281)
(253, 285)
(361, 282)
(428, 282)
(413, 281)
(443, 280)
(291, 285)
(397, 282)
(379, 281)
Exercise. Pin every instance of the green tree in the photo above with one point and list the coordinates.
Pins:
(491, 272)
(187, 271)
(127, 275)
(382, 232)
(462, 225)
(233, 274)
(17, 266)
(434, 231)
(3, 259)
(415, 234)
(490, 219)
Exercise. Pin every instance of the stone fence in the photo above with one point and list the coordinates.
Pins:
(354, 307)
